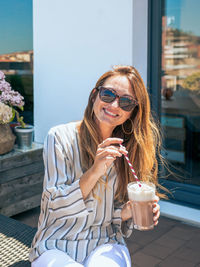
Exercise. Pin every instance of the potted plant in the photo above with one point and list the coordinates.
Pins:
(10, 102)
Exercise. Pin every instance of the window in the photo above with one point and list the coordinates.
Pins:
(173, 82)
(16, 49)
(180, 95)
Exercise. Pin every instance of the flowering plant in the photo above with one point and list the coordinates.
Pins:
(10, 101)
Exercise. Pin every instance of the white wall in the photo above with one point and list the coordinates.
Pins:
(74, 43)
(140, 34)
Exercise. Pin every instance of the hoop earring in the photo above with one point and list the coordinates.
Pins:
(124, 131)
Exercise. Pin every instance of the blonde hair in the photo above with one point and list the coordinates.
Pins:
(143, 144)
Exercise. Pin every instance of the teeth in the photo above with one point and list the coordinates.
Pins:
(110, 113)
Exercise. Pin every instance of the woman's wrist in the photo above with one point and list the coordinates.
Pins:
(87, 182)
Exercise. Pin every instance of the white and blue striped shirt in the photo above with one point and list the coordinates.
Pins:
(68, 222)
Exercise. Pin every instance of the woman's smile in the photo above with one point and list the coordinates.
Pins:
(110, 113)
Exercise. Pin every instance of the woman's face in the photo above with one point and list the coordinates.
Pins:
(110, 114)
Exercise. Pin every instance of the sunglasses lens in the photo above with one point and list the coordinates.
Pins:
(107, 95)
(126, 103)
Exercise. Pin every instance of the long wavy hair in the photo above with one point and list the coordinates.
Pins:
(143, 144)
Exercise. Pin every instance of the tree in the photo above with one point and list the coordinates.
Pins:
(192, 82)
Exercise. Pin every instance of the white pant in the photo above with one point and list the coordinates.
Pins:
(108, 255)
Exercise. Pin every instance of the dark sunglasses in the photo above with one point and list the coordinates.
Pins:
(108, 95)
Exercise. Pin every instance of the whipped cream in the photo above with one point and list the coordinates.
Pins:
(145, 192)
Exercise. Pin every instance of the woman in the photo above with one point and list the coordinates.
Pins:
(85, 212)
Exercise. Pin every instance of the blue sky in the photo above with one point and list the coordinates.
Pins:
(16, 21)
(186, 14)
(16, 31)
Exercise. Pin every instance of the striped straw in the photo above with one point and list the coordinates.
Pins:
(133, 171)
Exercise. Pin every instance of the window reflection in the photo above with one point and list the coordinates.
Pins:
(16, 50)
(181, 87)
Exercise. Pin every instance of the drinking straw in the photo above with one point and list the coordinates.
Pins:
(133, 171)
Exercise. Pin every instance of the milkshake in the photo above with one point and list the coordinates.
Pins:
(141, 196)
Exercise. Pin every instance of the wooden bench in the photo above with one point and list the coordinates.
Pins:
(15, 242)
(21, 179)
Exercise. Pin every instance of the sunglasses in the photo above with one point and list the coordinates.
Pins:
(108, 95)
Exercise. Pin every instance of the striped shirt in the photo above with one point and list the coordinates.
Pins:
(68, 222)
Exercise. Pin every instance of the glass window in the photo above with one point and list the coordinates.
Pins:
(180, 113)
(16, 49)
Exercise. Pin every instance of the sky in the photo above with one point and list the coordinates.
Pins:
(16, 20)
(184, 15)
(16, 30)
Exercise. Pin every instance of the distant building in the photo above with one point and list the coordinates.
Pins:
(17, 62)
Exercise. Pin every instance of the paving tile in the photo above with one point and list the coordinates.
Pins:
(182, 233)
(29, 217)
(143, 237)
(175, 262)
(188, 226)
(188, 254)
(194, 243)
(169, 241)
(168, 222)
(142, 260)
(157, 250)
(133, 247)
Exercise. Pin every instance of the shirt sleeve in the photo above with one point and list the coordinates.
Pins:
(125, 227)
(61, 184)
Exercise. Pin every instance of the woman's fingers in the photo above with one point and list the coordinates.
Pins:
(156, 217)
(114, 144)
(109, 151)
(110, 141)
(156, 211)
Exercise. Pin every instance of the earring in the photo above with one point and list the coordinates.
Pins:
(128, 132)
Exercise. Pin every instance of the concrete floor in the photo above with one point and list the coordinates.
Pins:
(171, 244)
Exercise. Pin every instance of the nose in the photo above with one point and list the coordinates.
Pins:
(115, 103)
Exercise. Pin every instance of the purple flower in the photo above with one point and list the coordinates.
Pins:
(12, 98)
(8, 100)
(4, 86)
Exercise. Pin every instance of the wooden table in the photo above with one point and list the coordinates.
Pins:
(21, 179)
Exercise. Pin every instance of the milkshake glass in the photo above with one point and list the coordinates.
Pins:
(141, 196)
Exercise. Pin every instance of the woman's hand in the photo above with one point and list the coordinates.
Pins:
(126, 211)
(156, 210)
(106, 153)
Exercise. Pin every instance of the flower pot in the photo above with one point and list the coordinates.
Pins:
(7, 139)
(24, 136)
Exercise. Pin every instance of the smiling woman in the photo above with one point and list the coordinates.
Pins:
(85, 212)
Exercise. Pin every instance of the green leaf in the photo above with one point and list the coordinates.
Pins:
(13, 115)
